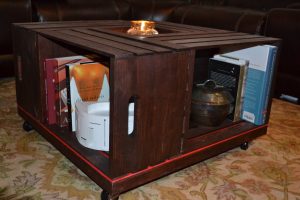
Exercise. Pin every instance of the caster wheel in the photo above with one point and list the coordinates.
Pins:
(245, 146)
(106, 196)
(27, 127)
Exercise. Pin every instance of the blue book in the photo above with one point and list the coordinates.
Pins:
(271, 66)
(258, 81)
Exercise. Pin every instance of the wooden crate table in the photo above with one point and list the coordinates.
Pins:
(157, 71)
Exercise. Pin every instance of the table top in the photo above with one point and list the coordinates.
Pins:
(110, 36)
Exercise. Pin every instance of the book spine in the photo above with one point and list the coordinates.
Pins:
(243, 88)
(271, 63)
(69, 97)
(50, 90)
(237, 109)
(260, 102)
(46, 93)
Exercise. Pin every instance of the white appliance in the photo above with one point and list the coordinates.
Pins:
(92, 121)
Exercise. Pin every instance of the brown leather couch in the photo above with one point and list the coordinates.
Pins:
(274, 18)
(10, 11)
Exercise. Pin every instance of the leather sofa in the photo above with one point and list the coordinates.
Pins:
(274, 18)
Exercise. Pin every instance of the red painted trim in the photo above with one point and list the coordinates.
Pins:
(187, 154)
(68, 146)
(148, 168)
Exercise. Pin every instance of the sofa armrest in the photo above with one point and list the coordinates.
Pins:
(284, 23)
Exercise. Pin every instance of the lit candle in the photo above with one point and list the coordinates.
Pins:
(142, 28)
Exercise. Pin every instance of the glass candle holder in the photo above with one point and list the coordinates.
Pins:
(142, 28)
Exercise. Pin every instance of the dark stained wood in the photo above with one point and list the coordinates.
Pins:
(192, 35)
(47, 49)
(146, 40)
(71, 24)
(29, 92)
(203, 140)
(158, 71)
(122, 40)
(187, 27)
(213, 44)
(195, 129)
(189, 34)
(175, 164)
(106, 41)
(89, 45)
(148, 77)
(215, 38)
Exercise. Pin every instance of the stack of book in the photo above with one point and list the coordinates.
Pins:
(247, 74)
(71, 79)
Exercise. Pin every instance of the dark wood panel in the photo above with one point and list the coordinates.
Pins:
(159, 83)
(200, 35)
(72, 24)
(131, 181)
(196, 129)
(88, 45)
(215, 136)
(94, 32)
(47, 49)
(28, 74)
(144, 40)
(215, 38)
(188, 27)
(99, 159)
(106, 41)
(234, 43)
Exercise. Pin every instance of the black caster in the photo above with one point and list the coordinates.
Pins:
(27, 127)
(245, 146)
(106, 196)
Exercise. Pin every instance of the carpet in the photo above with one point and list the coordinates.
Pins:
(31, 168)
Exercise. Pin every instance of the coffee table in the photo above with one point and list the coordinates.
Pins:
(156, 73)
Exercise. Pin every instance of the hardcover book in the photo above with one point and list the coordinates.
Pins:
(257, 92)
(56, 92)
(230, 73)
(86, 82)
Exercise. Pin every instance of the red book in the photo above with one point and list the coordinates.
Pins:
(56, 90)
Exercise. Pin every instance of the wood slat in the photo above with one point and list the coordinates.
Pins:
(209, 38)
(94, 32)
(88, 45)
(199, 35)
(212, 44)
(65, 24)
(144, 40)
(108, 42)
(183, 34)
(188, 27)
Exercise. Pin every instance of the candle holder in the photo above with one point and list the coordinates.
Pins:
(142, 28)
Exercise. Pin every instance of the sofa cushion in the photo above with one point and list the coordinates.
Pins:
(154, 9)
(87, 12)
(208, 16)
(251, 22)
(57, 10)
(262, 5)
(294, 5)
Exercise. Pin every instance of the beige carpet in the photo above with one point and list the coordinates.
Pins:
(30, 168)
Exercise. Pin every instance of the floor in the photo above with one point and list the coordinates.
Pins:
(30, 168)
